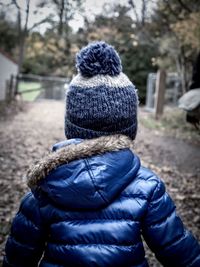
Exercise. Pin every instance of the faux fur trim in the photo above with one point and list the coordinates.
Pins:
(87, 148)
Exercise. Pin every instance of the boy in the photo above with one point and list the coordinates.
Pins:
(91, 200)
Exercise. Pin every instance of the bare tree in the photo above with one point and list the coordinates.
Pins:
(133, 6)
(61, 8)
(23, 29)
(178, 11)
(139, 16)
(65, 11)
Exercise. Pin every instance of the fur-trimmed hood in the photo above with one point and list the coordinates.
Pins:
(85, 173)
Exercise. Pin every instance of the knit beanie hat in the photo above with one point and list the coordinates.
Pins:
(100, 100)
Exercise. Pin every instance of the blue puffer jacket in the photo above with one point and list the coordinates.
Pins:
(91, 202)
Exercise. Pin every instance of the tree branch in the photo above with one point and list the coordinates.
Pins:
(61, 13)
(132, 4)
(16, 4)
(39, 23)
(6, 5)
(144, 11)
(171, 9)
(56, 2)
(183, 5)
(27, 16)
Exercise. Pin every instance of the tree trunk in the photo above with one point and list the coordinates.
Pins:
(61, 13)
(22, 33)
(21, 53)
(183, 71)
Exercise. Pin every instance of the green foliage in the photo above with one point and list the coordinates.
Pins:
(50, 54)
(175, 28)
(137, 64)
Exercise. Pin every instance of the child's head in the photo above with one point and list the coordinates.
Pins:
(101, 100)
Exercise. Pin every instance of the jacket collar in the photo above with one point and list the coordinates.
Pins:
(75, 151)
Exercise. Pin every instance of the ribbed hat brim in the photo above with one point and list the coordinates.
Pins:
(73, 131)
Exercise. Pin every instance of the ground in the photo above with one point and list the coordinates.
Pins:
(28, 135)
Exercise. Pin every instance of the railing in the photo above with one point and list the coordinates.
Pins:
(32, 87)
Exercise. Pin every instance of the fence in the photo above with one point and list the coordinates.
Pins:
(33, 87)
(11, 88)
(172, 90)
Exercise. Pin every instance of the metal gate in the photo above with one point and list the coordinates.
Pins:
(33, 87)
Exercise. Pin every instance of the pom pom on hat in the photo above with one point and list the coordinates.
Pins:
(98, 58)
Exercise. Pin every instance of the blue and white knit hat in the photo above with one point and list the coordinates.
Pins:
(101, 100)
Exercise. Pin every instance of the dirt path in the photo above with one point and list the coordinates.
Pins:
(30, 134)
(167, 150)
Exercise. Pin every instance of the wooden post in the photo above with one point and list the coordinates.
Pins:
(160, 93)
(11, 87)
(150, 91)
(16, 84)
(7, 91)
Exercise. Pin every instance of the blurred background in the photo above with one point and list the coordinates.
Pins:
(42, 37)
(159, 45)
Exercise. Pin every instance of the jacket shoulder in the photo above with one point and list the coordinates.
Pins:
(146, 185)
(29, 207)
(147, 174)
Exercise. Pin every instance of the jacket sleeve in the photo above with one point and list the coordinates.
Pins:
(165, 233)
(26, 242)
